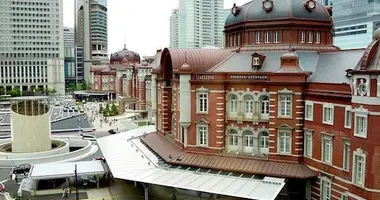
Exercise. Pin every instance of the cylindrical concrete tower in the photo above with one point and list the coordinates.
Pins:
(30, 124)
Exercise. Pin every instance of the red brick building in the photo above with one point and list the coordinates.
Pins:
(124, 76)
(280, 100)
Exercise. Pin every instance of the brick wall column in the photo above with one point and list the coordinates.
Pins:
(141, 96)
(220, 119)
(166, 105)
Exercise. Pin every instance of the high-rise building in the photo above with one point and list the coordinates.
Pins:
(174, 29)
(96, 30)
(31, 45)
(201, 23)
(69, 52)
(355, 22)
(325, 2)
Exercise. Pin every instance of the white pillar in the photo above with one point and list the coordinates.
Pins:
(185, 98)
(153, 96)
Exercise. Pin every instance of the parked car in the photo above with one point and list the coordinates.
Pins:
(111, 131)
(21, 169)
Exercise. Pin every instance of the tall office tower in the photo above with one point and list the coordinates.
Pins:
(174, 29)
(201, 23)
(355, 22)
(325, 2)
(31, 45)
(95, 30)
(69, 52)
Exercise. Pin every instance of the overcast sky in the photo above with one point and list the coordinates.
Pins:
(144, 23)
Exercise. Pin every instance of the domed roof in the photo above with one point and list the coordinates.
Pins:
(282, 9)
(125, 54)
(376, 36)
(289, 56)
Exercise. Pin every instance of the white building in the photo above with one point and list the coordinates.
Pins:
(325, 2)
(201, 23)
(174, 29)
(31, 44)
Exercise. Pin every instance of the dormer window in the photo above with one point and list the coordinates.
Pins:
(258, 37)
(256, 61)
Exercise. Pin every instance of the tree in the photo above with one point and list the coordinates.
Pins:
(83, 86)
(15, 92)
(53, 91)
(106, 111)
(114, 111)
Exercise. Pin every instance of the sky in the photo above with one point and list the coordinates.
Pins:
(143, 23)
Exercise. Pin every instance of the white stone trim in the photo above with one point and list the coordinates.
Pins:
(328, 105)
(329, 137)
(358, 152)
(347, 109)
(360, 113)
(311, 117)
(220, 98)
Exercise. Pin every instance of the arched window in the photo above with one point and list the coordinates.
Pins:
(264, 140)
(233, 100)
(248, 138)
(265, 105)
(248, 104)
(233, 138)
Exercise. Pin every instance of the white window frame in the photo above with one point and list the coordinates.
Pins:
(318, 37)
(287, 108)
(248, 140)
(325, 192)
(330, 155)
(264, 140)
(233, 104)
(308, 143)
(331, 121)
(267, 37)
(365, 124)
(346, 155)
(287, 134)
(256, 61)
(356, 154)
(199, 143)
(200, 99)
(309, 116)
(344, 196)
(258, 37)
(310, 37)
(276, 37)
(303, 37)
(248, 105)
(233, 139)
(347, 118)
(264, 104)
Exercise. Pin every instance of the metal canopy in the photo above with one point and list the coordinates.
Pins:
(129, 159)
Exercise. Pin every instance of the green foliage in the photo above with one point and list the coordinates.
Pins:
(109, 110)
(15, 92)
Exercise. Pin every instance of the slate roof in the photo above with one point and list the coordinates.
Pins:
(331, 66)
(241, 62)
(283, 9)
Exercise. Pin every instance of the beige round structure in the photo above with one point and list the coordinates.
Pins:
(30, 124)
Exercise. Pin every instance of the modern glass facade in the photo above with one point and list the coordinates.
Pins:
(355, 22)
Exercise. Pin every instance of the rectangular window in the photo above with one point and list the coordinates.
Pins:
(347, 117)
(325, 188)
(202, 103)
(308, 143)
(327, 147)
(359, 162)
(248, 140)
(267, 37)
(256, 61)
(310, 37)
(249, 106)
(309, 108)
(328, 114)
(234, 140)
(284, 142)
(360, 126)
(276, 37)
(258, 37)
(303, 37)
(285, 105)
(202, 135)
(344, 197)
(346, 155)
(317, 37)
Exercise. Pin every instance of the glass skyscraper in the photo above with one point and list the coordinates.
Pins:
(355, 22)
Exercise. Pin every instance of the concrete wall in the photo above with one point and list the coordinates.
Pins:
(30, 133)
